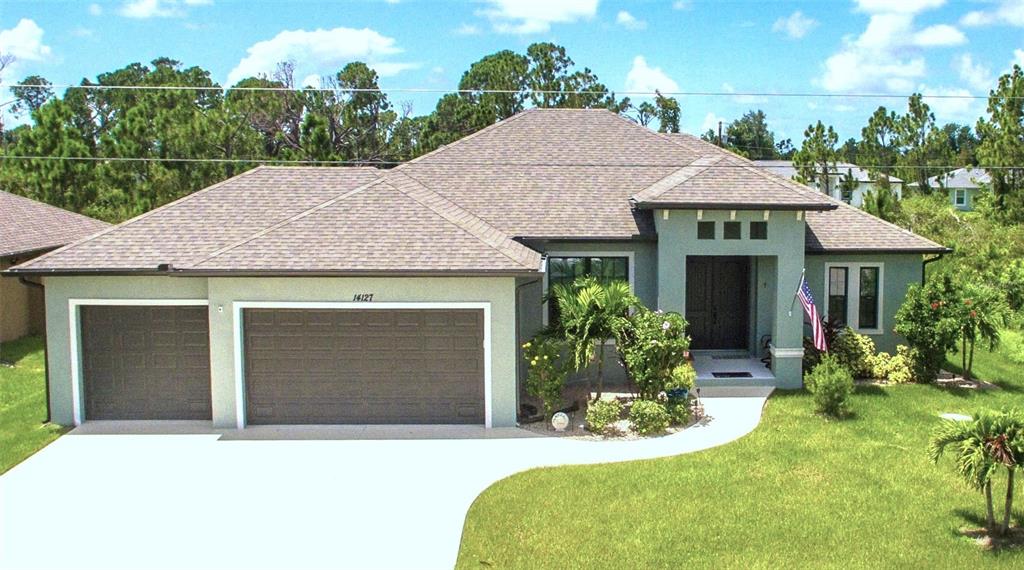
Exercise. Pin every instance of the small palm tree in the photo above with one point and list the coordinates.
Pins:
(587, 308)
(982, 445)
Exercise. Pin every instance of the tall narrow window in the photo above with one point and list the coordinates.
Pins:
(867, 317)
(838, 282)
(960, 197)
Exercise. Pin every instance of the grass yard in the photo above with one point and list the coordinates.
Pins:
(23, 402)
(798, 492)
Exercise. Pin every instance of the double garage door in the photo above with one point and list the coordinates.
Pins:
(301, 366)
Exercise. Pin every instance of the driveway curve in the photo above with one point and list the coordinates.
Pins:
(288, 497)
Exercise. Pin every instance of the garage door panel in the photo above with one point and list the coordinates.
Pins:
(143, 362)
(364, 366)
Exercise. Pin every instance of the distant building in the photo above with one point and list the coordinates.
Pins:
(856, 198)
(963, 185)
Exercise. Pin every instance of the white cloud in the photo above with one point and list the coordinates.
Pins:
(643, 78)
(82, 32)
(682, 5)
(535, 16)
(796, 25)
(311, 80)
(953, 105)
(468, 30)
(25, 42)
(972, 73)
(887, 56)
(629, 21)
(1008, 12)
(711, 121)
(95, 9)
(1018, 58)
(146, 9)
(319, 51)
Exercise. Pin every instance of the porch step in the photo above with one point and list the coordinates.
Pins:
(735, 391)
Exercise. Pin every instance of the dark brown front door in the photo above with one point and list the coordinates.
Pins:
(382, 366)
(146, 363)
(717, 302)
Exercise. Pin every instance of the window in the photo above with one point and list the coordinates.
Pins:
(758, 230)
(855, 295)
(566, 269)
(838, 279)
(960, 197)
(732, 230)
(867, 317)
(705, 230)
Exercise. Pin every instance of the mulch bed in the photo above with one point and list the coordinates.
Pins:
(1012, 541)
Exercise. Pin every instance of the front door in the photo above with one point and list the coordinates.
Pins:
(717, 301)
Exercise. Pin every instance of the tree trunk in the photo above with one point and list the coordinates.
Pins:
(990, 516)
(1009, 500)
(970, 362)
(600, 369)
(963, 352)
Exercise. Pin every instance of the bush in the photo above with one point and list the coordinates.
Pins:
(651, 344)
(678, 412)
(832, 384)
(928, 320)
(545, 379)
(602, 415)
(683, 377)
(648, 417)
(855, 352)
(896, 369)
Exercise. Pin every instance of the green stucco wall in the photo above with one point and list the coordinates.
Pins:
(499, 292)
(899, 272)
(972, 194)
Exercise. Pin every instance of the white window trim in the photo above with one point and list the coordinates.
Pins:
(959, 193)
(627, 254)
(853, 294)
(75, 333)
(238, 306)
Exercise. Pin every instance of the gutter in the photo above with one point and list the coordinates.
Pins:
(924, 266)
(46, 357)
(737, 206)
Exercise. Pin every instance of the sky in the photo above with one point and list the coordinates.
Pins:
(731, 48)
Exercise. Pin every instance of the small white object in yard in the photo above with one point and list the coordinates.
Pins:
(955, 417)
(560, 421)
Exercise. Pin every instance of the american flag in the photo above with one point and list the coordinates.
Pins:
(807, 300)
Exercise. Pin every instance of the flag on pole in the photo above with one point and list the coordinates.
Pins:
(807, 300)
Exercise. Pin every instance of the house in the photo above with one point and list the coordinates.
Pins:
(855, 198)
(963, 185)
(300, 295)
(28, 229)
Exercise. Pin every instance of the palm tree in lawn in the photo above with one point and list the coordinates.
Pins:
(981, 446)
(586, 309)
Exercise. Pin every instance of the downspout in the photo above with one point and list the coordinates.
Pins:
(518, 327)
(46, 360)
(924, 266)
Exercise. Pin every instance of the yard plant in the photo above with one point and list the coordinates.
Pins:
(648, 417)
(602, 415)
(652, 345)
(929, 320)
(832, 384)
(547, 372)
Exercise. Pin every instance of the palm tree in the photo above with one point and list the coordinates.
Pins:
(587, 308)
(992, 439)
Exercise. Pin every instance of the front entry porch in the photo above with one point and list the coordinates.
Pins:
(730, 368)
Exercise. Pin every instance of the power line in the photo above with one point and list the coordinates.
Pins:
(455, 163)
(434, 90)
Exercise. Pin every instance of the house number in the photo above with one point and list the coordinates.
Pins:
(362, 297)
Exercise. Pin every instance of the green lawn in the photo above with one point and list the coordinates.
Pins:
(799, 492)
(23, 403)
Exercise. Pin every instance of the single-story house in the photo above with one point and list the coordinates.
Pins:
(855, 198)
(963, 185)
(29, 229)
(300, 295)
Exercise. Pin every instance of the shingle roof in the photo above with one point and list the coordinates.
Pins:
(848, 229)
(786, 169)
(28, 226)
(969, 177)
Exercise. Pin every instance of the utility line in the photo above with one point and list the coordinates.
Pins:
(458, 163)
(98, 87)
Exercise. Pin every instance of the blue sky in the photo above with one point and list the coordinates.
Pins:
(824, 46)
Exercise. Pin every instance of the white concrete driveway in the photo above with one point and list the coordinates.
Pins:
(212, 500)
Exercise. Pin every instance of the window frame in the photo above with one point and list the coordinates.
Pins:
(959, 193)
(630, 271)
(853, 294)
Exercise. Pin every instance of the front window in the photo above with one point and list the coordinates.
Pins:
(837, 297)
(960, 197)
(868, 313)
(566, 270)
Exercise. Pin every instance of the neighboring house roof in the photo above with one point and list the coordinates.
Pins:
(29, 226)
(542, 174)
(785, 168)
(969, 177)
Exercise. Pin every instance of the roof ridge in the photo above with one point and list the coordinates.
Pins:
(490, 235)
(454, 143)
(676, 177)
(40, 204)
(140, 217)
(286, 221)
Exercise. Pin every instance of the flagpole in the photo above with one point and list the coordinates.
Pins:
(797, 292)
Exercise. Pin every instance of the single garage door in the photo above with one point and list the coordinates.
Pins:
(146, 363)
(380, 366)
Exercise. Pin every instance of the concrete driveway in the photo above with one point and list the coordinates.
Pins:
(286, 497)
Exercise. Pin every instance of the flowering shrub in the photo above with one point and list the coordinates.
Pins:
(545, 378)
(854, 351)
(648, 417)
(897, 369)
(928, 319)
(602, 415)
(651, 345)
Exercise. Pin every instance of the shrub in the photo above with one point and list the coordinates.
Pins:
(651, 344)
(648, 417)
(545, 379)
(602, 415)
(928, 320)
(832, 384)
(855, 352)
(683, 377)
(896, 369)
(678, 412)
